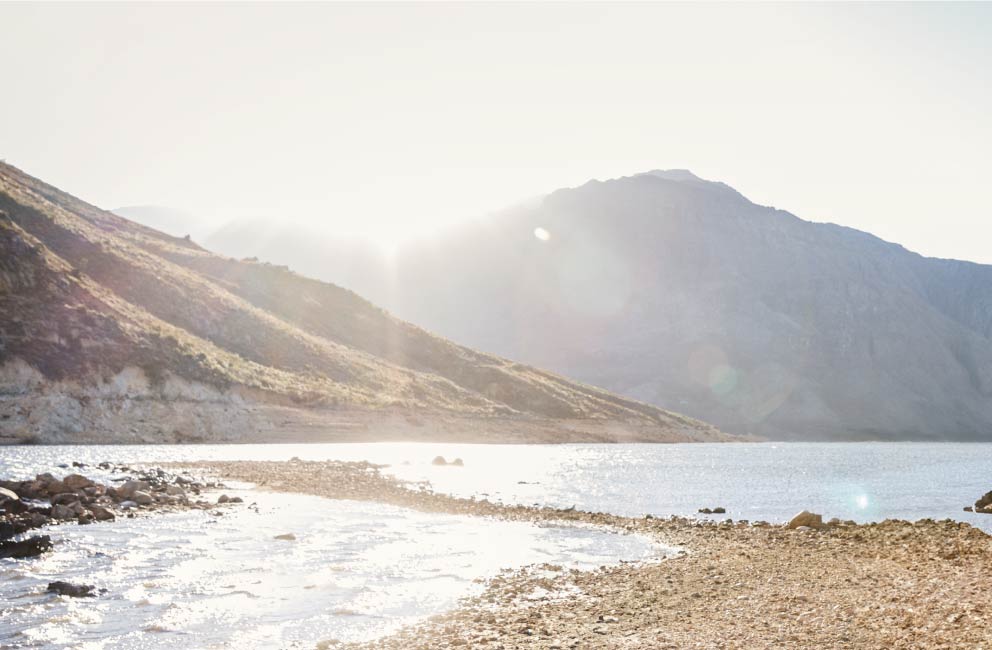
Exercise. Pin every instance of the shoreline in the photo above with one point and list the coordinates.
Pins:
(891, 584)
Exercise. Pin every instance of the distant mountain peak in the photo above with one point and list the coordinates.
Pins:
(679, 175)
(686, 177)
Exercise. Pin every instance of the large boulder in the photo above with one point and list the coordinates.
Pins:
(806, 518)
(984, 502)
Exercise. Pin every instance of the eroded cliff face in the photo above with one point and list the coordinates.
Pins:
(125, 407)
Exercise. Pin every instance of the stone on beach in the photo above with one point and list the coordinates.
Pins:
(76, 482)
(102, 514)
(807, 519)
(127, 490)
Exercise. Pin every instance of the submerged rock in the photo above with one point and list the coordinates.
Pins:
(288, 537)
(69, 589)
(30, 547)
(439, 460)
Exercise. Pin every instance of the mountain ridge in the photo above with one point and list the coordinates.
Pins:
(106, 309)
(683, 293)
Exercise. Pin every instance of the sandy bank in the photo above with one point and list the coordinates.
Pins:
(890, 585)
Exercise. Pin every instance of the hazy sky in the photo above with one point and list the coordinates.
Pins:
(392, 120)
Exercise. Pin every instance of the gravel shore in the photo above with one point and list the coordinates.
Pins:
(893, 584)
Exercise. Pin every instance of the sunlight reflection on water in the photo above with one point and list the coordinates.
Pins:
(191, 579)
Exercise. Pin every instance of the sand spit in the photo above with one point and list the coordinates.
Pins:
(893, 584)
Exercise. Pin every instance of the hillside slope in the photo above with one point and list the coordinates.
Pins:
(682, 293)
(110, 330)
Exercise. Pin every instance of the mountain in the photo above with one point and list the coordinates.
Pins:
(113, 331)
(681, 292)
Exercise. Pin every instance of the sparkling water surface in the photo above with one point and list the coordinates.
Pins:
(198, 579)
(763, 481)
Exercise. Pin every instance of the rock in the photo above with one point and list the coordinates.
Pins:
(142, 498)
(806, 518)
(102, 514)
(458, 462)
(719, 510)
(62, 512)
(76, 482)
(705, 511)
(969, 509)
(55, 487)
(127, 490)
(65, 498)
(223, 498)
(8, 495)
(983, 502)
(127, 505)
(71, 590)
(289, 537)
(175, 490)
(14, 507)
(236, 500)
(439, 460)
(30, 547)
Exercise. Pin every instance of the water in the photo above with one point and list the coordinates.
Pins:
(193, 579)
(769, 481)
(358, 571)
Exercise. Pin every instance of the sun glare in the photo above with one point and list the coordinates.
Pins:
(542, 234)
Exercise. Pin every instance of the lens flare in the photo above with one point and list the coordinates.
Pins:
(542, 234)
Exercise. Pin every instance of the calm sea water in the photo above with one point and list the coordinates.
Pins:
(768, 481)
